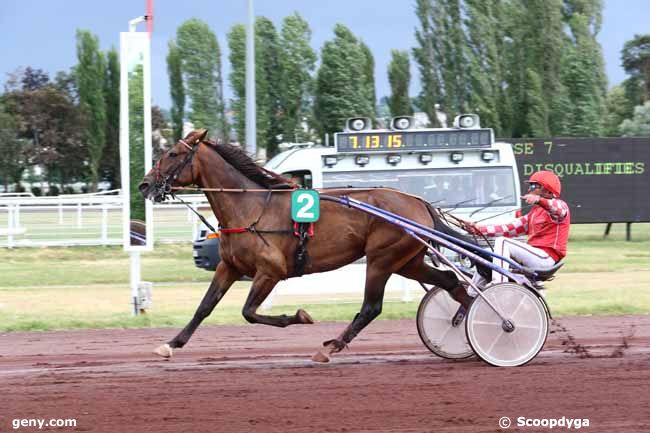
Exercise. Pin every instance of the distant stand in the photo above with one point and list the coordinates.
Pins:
(628, 231)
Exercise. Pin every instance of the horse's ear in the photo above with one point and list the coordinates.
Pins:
(202, 133)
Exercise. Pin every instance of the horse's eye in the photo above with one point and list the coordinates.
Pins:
(173, 154)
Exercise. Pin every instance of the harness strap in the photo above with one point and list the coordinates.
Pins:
(201, 217)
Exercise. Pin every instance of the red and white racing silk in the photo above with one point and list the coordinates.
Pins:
(547, 227)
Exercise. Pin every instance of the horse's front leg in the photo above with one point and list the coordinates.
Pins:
(223, 278)
(260, 289)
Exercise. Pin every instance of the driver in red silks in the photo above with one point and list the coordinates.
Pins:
(547, 227)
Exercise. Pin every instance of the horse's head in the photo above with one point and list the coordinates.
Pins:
(174, 168)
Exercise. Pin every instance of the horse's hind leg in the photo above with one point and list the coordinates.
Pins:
(223, 278)
(261, 288)
(418, 270)
(376, 278)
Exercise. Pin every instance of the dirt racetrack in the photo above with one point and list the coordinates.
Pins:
(259, 379)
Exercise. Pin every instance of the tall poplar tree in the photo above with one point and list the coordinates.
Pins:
(369, 78)
(534, 64)
(584, 78)
(485, 36)
(177, 90)
(111, 157)
(399, 77)
(268, 75)
(340, 82)
(90, 83)
(297, 62)
(237, 46)
(441, 55)
(201, 66)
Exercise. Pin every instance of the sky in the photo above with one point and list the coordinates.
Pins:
(41, 33)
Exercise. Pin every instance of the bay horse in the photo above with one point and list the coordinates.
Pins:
(265, 251)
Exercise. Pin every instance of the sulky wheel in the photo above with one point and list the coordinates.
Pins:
(435, 312)
(515, 341)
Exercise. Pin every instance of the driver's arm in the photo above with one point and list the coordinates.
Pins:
(511, 229)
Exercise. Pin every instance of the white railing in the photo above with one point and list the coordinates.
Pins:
(89, 219)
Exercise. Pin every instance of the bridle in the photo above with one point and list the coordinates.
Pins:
(163, 184)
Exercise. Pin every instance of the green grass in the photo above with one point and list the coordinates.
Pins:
(87, 287)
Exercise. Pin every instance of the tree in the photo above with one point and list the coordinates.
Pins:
(369, 79)
(50, 124)
(636, 62)
(618, 109)
(534, 64)
(237, 45)
(297, 62)
(485, 58)
(442, 57)
(90, 82)
(111, 158)
(340, 91)
(267, 76)
(136, 141)
(201, 67)
(639, 125)
(12, 163)
(427, 55)
(584, 78)
(176, 89)
(399, 77)
(160, 142)
(34, 79)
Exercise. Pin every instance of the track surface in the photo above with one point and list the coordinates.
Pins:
(259, 379)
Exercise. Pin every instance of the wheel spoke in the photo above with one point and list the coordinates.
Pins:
(448, 306)
(527, 326)
(514, 313)
(483, 322)
(447, 319)
(444, 335)
(514, 340)
(494, 342)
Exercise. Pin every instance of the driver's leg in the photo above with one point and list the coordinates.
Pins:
(523, 253)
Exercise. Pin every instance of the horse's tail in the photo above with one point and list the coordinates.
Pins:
(443, 226)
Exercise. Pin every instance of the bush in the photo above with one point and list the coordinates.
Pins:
(54, 190)
(37, 191)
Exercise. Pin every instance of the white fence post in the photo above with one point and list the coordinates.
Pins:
(17, 216)
(194, 226)
(79, 221)
(10, 226)
(61, 213)
(104, 239)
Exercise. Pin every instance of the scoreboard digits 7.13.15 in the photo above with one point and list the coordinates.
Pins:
(415, 140)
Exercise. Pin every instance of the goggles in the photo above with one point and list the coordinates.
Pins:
(533, 186)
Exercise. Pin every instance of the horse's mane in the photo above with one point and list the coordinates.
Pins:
(243, 163)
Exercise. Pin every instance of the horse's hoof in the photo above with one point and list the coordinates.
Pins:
(334, 346)
(320, 357)
(164, 350)
(304, 317)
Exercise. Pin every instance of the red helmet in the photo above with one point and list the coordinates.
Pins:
(548, 180)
